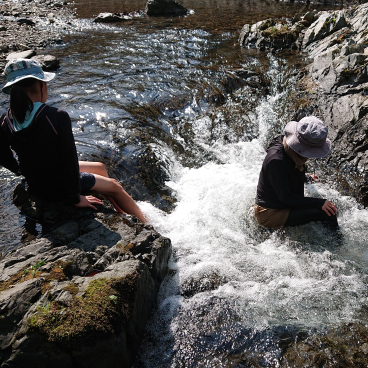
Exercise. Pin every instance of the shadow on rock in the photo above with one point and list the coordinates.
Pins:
(81, 293)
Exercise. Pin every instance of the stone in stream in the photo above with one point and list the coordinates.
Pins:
(117, 17)
(108, 18)
(27, 54)
(343, 346)
(48, 62)
(155, 8)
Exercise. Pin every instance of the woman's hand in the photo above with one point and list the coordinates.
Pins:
(329, 208)
(312, 177)
(88, 201)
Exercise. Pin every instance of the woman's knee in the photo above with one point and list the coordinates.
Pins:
(93, 167)
(101, 168)
(115, 186)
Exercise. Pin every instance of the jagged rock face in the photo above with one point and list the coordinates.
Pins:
(82, 293)
(336, 43)
(165, 8)
(339, 70)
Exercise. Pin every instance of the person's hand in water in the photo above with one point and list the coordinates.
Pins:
(88, 202)
(329, 208)
(313, 177)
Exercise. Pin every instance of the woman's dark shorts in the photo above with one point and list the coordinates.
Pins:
(87, 181)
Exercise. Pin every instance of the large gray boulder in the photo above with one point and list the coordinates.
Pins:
(155, 8)
(81, 294)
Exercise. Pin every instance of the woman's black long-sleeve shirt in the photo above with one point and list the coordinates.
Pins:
(281, 184)
(46, 154)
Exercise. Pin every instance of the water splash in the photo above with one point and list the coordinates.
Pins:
(235, 288)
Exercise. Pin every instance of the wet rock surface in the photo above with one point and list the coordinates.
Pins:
(82, 292)
(345, 346)
(117, 17)
(334, 85)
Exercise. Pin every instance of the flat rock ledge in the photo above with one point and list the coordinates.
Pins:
(334, 86)
(79, 295)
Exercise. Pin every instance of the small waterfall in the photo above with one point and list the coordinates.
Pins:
(234, 288)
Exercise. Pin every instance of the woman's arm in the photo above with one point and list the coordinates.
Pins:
(7, 158)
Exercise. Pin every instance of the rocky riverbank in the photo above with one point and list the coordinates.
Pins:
(79, 295)
(32, 25)
(334, 85)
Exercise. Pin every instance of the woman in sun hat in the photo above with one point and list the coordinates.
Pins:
(42, 138)
(280, 197)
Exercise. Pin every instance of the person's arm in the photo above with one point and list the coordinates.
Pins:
(278, 178)
(7, 158)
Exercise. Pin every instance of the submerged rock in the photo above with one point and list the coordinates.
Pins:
(117, 17)
(81, 293)
(157, 8)
(108, 18)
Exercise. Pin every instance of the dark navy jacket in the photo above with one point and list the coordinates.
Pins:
(46, 154)
(281, 184)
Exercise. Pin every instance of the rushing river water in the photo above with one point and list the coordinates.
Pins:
(148, 99)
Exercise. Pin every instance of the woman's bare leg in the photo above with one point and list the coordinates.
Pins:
(98, 168)
(110, 187)
(93, 168)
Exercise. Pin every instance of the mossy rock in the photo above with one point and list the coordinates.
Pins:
(98, 314)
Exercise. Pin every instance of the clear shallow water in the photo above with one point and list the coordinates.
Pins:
(148, 99)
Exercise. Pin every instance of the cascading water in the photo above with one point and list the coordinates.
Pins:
(236, 289)
(150, 102)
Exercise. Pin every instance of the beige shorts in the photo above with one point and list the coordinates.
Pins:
(270, 217)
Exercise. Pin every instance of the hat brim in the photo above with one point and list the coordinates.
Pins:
(47, 77)
(302, 149)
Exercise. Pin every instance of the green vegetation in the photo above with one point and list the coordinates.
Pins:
(99, 313)
(72, 288)
(22, 276)
(57, 272)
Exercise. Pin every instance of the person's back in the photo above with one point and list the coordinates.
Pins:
(278, 170)
(46, 153)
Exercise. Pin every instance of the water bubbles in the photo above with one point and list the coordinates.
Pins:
(100, 116)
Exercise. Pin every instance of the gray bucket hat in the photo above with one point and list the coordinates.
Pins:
(308, 137)
(18, 69)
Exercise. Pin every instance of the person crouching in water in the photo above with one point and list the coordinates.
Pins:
(280, 197)
(42, 138)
